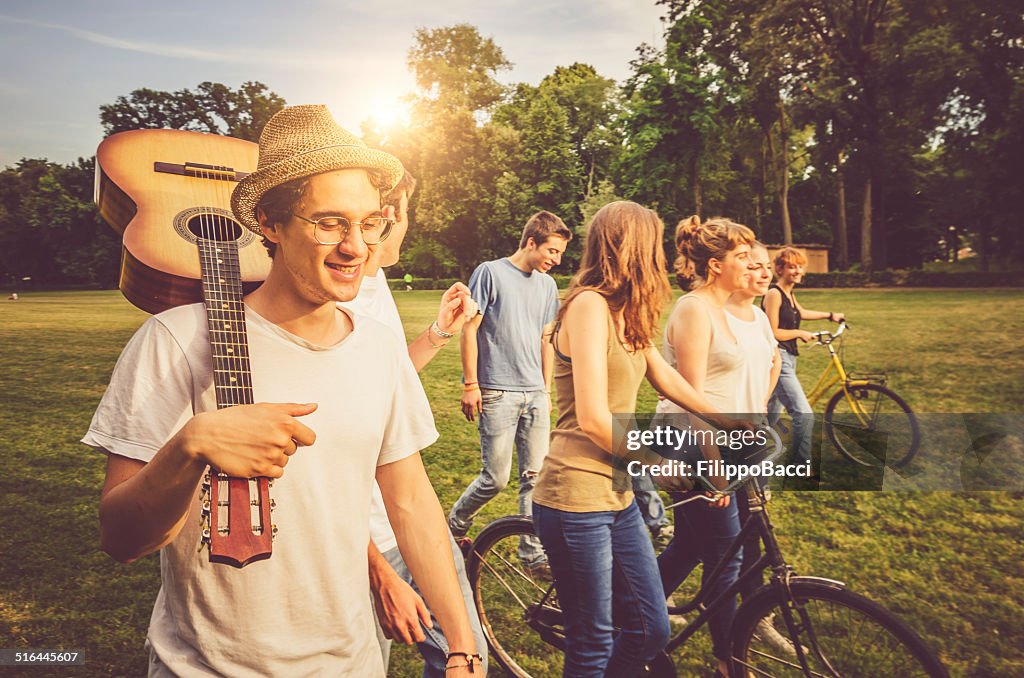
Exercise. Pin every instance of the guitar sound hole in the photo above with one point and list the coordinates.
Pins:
(212, 226)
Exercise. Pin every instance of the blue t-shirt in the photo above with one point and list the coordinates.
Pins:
(515, 306)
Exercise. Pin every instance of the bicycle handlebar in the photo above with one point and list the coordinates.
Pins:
(713, 494)
(826, 337)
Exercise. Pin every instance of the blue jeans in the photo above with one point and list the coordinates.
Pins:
(789, 394)
(434, 648)
(522, 418)
(606, 577)
(652, 509)
(703, 534)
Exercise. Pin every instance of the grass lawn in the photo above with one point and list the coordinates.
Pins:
(951, 564)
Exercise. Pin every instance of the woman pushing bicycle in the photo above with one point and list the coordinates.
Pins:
(702, 345)
(597, 545)
(785, 314)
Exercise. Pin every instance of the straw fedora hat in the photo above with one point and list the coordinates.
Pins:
(300, 141)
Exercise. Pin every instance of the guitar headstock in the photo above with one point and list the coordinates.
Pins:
(236, 512)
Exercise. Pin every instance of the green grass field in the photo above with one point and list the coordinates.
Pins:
(951, 564)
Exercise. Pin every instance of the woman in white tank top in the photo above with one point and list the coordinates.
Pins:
(753, 331)
(715, 255)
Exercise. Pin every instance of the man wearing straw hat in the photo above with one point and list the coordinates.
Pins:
(335, 384)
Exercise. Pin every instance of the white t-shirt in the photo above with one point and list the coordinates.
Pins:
(738, 373)
(376, 301)
(758, 343)
(306, 610)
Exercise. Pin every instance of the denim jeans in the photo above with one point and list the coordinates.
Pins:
(652, 509)
(789, 394)
(606, 577)
(703, 534)
(751, 550)
(522, 418)
(434, 648)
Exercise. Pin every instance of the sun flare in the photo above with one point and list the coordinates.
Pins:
(391, 114)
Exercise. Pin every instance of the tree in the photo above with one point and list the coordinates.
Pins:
(50, 229)
(977, 183)
(547, 162)
(455, 67)
(677, 154)
(211, 107)
(592, 106)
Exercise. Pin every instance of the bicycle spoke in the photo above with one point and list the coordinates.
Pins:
(521, 633)
(871, 426)
(842, 635)
(522, 575)
(784, 663)
(505, 584)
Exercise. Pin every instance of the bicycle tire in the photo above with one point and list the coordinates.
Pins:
(857, 637)
(892, 437)
(514, 645)
(503, 591)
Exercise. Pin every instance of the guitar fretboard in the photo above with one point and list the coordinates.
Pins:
(225, 315)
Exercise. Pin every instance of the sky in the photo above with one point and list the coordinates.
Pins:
(63, 59)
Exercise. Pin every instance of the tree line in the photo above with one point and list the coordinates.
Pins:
(871, 126)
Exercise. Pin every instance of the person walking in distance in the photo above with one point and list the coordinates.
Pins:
(506, 367)
(401, 612)
(785, 315)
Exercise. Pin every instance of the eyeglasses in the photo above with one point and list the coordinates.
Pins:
(334, 230)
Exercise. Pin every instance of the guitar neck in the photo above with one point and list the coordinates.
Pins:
(240, 531)
(225, 317)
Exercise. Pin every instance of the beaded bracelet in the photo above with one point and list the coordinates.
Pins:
(439, 332)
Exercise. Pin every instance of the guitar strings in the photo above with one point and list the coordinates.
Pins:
(221, 298)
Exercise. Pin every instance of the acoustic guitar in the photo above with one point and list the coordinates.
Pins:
(168, 193)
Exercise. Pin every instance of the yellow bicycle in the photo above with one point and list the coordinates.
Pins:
(866, 421)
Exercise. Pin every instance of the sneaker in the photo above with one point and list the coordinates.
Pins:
(662, 537)
(766, 633)
(540, 571)
(456, 532)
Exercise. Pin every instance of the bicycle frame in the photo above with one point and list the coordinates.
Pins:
(782, 574)
(759, 523)
(835, 373)
(546, 620)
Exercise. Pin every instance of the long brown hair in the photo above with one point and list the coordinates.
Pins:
(624, 261)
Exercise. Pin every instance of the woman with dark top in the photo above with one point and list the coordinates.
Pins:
(785, 314)
(600, 555)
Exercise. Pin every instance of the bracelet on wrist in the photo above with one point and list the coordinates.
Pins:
(437, 347)
(467, 389)
(831, 317)
(472, 661)
(439, 332)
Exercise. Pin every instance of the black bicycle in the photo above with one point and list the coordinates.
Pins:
(792, 626)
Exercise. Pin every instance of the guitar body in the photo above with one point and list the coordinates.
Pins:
(168, 193)
(159, 213)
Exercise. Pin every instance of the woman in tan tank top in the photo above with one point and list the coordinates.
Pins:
(596, 542)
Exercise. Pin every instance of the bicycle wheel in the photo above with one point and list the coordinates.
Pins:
(525, 636)
(841, 633)
(877, 427)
